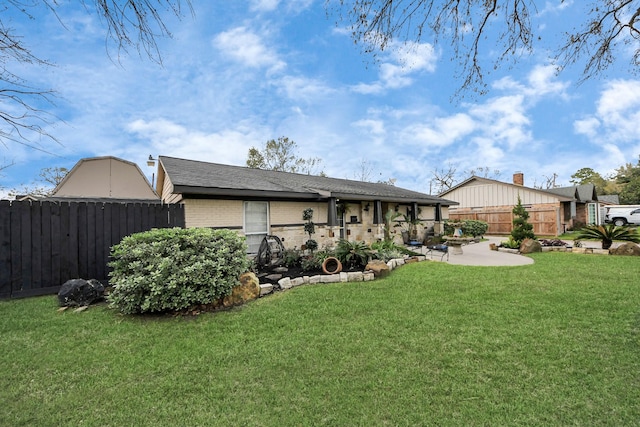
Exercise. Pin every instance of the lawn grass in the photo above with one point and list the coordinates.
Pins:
(552, 343)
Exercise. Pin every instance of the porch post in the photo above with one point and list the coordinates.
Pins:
(332, 213)
(438, 212)
(414, 210)
(377, 212)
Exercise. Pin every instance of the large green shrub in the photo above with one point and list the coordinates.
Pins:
(469, 227)
(172, 269)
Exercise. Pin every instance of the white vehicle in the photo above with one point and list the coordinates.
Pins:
(623, 214)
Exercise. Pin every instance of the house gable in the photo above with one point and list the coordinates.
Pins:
(105, 178)
(478, 192)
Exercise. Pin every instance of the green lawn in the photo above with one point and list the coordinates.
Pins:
(553, 343)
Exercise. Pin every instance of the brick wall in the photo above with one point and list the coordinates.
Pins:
(214, 213)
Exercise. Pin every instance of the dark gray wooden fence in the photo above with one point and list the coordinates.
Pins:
(45, 243)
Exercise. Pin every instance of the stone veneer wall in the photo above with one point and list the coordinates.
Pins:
(285, 220)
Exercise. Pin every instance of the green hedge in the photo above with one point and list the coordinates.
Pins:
(470, 227)
(172, 269)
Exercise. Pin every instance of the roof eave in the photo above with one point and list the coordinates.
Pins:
(186, 190)
(243, 193)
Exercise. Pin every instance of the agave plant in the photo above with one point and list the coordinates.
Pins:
(352, 253)
(608, 233)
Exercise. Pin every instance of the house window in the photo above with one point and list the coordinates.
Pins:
(592, 214)
(256, 224)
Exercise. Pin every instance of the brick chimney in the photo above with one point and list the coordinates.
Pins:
(518, 178)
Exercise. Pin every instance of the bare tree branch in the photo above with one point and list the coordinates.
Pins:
(473, 27)
(128, 23)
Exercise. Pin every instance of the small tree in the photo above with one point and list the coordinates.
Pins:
(521, 227)
(310, 229)
(389, 217)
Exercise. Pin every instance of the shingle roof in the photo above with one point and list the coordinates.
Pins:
(612, 199)
(202, 178)
(582, 193)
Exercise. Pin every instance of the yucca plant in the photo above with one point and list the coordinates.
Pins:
(608, 233)
(353, 254)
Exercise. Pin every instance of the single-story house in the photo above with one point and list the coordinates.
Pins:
(551, 212)
(257, 203)
(105, 178)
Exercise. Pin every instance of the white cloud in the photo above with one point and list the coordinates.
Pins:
(229, 146)
(399, 67)
(541, 81)
(272, 5)
(614, 127)
(588, 126)
(264, 5)
(617, 114)
(374, 127)
(303, 88)
(248, 48)
(555, 6)
(442, 131)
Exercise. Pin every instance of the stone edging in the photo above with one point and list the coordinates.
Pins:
(562, 249)
(356, 276)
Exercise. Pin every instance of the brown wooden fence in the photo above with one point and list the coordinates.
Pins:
(45, 243)
(545, 219)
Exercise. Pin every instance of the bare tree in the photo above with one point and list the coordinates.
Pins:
(483, 172)
(443, 179)
(53, 175)
(548, 182)
(364, 172)
(49, 178)
(472, 26)
(129, 24)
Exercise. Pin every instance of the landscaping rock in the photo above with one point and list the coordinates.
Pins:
(529, 246)
(285, 283)
(297, 281)
(80, 292)
(266, 289)
(378, 267)
(355, 276)
(247, 290)
(330, 278)
(628, 249)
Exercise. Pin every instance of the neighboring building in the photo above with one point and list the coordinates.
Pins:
(551, 211)
(105, 178)
(259, 202)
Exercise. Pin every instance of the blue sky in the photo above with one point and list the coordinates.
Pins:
(239, 73)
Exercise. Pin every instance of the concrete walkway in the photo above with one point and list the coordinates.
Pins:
(480, 254)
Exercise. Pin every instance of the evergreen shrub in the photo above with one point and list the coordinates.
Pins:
(173, 269)
(469, 227)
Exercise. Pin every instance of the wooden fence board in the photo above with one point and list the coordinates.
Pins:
(25, 235)
(56, 243)
(36, 246)
(5, 249)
